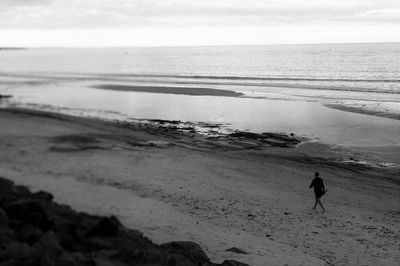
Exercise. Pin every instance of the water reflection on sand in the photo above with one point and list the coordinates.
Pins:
(259, 115)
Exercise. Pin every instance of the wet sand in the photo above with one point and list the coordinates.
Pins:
(193, 91)
(373, 109)
(218, 193)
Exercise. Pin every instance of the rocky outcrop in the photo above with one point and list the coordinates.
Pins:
(273, 139)
(3, 96)
(35, 231)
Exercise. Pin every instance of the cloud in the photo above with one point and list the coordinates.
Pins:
(14, 3)
(92, 14)
(197, 36)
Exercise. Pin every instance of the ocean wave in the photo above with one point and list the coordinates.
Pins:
(385, 86)
(200, 77)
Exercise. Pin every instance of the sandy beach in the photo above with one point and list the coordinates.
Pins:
(220, 193)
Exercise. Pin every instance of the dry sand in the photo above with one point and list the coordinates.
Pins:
(175, 188)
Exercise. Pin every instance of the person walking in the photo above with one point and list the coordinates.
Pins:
(319, 190)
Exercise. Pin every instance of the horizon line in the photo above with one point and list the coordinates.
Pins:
(178, 46)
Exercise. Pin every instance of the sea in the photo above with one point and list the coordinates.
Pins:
(339, 94)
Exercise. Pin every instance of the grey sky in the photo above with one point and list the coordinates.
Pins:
(42, 14)
(196, 22)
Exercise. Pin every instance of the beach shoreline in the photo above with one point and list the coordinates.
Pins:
(360, 99)
(378, 150)
(221, 194)
(368, 110)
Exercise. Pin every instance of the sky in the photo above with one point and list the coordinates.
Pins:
(100, 23)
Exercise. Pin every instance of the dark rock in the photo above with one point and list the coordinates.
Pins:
(103, 262)
(47, 261)
(7, 235)
(35, 231)
(9, 263)
(35, 261)
(65, 261)
(6, 190)
(179, 260)
(273, 139)
(66, 234)
(61, 214)
(29, 234)
(97, 243)
(136, 249)
(20, 251)
(186, 250)
(247, 135)
(159, 121)
(105, 227)
(233, 263)
(281, 137)
(158, 265)
(85, 224)
(48, 245)
(76, 258)
(236, 250)
(131, 233)
(4, 222)
(85, 262)
(28, 211)
(104, 254)
(20, 192)
(43, 196)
